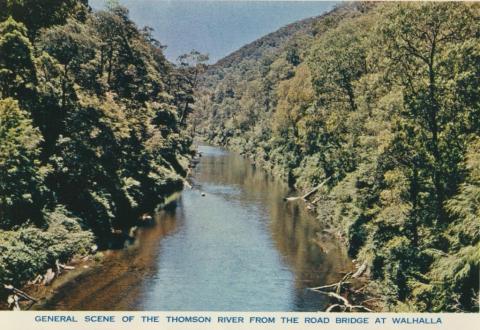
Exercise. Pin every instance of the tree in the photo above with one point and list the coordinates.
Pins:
(418, 42)
(191, 66)
(456, 273)
(37, 14)
(292, 55)
(21, 176)
(17, 68)
(337, 61)
(430, 57)
(89, 130)
(386, 103)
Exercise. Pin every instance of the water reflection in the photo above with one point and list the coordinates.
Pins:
(114, 284)
(293, 230)
(239, 247)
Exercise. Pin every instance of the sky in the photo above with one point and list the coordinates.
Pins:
(215, 27)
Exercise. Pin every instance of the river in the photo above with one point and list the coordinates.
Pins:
(229, 244)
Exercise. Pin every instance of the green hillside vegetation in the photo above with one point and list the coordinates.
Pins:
(383, 100)
(89, 129)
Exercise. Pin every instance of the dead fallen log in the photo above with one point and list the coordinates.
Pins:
(93, 248)
(132, 232)
(334, 306)
(338, 297)
(328, 287)
(346, 305)
(66, 267)
(360, 270)
(61, 267)
(308, 194)
(334, 291)
(337, 287)
(36, 280)
(48, 277)
(117, 232)
(12, 302)
(19, 292)
(146, 218)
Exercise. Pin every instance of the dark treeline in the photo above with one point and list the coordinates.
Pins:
(384, 101)
(90, 129)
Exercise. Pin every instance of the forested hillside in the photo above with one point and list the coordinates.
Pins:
(90, 130)
(381, 102)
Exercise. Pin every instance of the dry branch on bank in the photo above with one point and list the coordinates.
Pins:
(48, 277)
(308, 194)
(360, 270)
(18, 292)
(334, 291)
(15, 296)
(346, 306)
(12, 302)
(337, 287)
(61, 267)
(36, 280)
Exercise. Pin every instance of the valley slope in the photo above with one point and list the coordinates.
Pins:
(382, 101)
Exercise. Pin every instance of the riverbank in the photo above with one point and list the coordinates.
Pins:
(354, 284)
(71, 261)
(74, 261)
(44, 287)
(86, 148)
(225, 196)
(232, 224)
(332, 99)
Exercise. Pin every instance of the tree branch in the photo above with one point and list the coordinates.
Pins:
(308, 194)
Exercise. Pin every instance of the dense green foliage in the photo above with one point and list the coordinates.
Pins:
(383, 99)
(90, 129)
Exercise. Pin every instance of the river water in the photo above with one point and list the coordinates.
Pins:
(230, 244)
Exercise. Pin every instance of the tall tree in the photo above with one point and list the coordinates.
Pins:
(17, 67)
(419, 43)
(191, 66)
(21, 177)
(37, 14)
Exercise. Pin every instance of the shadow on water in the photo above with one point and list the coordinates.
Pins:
(231, 244)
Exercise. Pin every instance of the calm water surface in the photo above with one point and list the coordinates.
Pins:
(238, 248)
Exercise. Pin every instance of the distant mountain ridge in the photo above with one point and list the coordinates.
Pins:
(272, 40)
(278, 38)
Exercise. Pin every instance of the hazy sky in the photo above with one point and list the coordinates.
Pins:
(215, 27)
